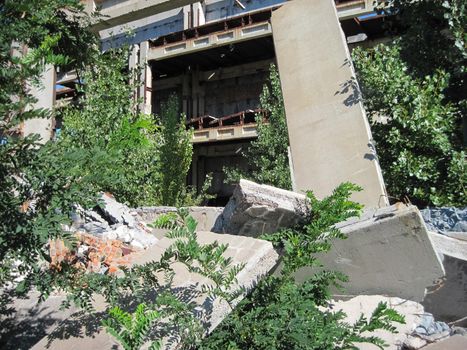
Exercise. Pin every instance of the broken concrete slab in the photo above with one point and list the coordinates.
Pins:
(255, 209)
(330, 137)
(85, 332)
(449, 300)
(387, 252)
(446, 245)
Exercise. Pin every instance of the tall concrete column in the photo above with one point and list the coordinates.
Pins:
(329, 133)
(146, 79)
(45, 94)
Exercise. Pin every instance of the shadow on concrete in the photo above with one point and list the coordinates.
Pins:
(351, 90)
(448, 302)
(22, 332)
(78, 325)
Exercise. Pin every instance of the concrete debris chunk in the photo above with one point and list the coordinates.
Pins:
(115, 212)
(255, 209)
(205, 216)
(388, 252)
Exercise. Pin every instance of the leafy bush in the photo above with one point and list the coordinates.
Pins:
(36, 193)
(415, 129)
(105, 119)
(176, 152)
(414, 91)
(267, 156)
(131, 329)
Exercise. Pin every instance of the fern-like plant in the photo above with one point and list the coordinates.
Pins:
(132, 330)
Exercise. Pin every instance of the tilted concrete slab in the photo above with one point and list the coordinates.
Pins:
(457, 248)
(388, 252)
(29, 321)
(329, 133)
(85, 332)
(206, 217)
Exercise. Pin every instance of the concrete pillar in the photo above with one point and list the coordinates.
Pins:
(329, 133)
(45, 95)
(198, 14)
(145, 79)
(186, 93)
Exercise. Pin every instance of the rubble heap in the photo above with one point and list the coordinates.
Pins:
(114, 221)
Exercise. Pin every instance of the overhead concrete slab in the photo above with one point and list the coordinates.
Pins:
(129, 11)
(329, 133)
(388, 252)
(84, 331)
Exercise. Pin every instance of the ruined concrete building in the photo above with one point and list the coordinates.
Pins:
(215, 55)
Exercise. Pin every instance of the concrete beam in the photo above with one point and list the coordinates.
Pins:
(135, 10)
(329, 133)
(236, 35)
(233, 132)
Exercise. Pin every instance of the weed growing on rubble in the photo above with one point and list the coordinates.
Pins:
(281, 314)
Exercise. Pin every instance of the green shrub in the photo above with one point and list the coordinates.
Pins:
(415, 93)
(267, 156)
(416, 130)
(105, 119)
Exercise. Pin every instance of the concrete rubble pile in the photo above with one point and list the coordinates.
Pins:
(114, 221)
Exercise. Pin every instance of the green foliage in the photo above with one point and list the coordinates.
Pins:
(267, 156)
(280, 314)
(131, 330)
(416, 130)
(415, 91)
(301, 243)
(206, 260)
(37, 194)
(176, 153)
(106, 119)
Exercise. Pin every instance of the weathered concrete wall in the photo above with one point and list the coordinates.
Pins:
(388, 252)
(329, 134)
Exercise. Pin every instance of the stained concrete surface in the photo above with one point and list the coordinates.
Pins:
(448, 301)
(256, 209)
(329, 134)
